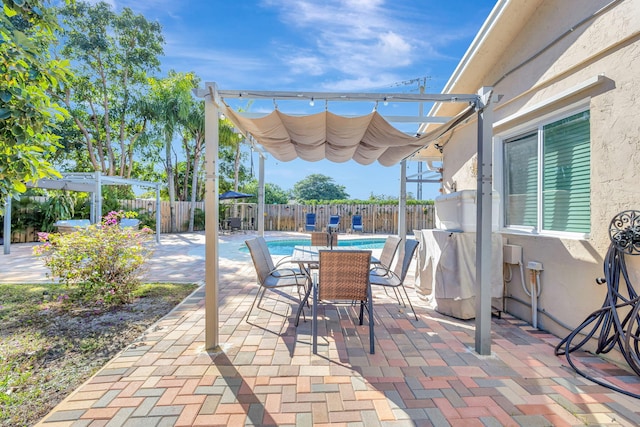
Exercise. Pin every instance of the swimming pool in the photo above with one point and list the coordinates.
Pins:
(285, 247)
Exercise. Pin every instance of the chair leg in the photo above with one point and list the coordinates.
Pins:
(314, 320)
(362, 312)
(303, 301)
(399, 297)
(372, 348)
(260, 293)
(410, 305)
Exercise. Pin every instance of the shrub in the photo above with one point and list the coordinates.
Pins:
(102, 261)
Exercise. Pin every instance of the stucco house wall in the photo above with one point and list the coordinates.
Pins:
(596, 63)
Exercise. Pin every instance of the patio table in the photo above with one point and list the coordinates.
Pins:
(307, 257)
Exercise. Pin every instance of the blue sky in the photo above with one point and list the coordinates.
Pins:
(320, 45)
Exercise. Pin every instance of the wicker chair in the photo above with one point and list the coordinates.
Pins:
(395, 279)
(320, 238)
(383, 269)
(270, 275)
(343, 276)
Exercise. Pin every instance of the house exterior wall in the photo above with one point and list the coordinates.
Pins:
(607, 46)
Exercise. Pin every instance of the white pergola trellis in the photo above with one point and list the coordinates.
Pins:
(284, 136)
(88, 183)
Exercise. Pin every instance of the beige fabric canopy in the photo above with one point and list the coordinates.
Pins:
(325, 135)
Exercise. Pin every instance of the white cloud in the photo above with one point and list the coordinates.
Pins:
(354, 38)
(307, 63)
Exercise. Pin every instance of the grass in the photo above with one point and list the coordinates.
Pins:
(47, 351)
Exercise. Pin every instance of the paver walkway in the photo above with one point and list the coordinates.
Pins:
(424, 373)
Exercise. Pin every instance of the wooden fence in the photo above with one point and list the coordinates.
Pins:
(375, 218)
(381, 219)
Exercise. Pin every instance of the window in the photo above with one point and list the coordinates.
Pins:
(547, 177)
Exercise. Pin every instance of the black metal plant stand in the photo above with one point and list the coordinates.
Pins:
(614, 330)
(330, 237)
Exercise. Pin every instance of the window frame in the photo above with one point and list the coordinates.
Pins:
(534, 125)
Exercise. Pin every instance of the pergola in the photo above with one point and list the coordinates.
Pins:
(364, 139)
(88, 183)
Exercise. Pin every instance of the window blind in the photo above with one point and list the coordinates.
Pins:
(566, 188)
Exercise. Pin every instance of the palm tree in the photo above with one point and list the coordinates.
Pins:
(194, 130)
(168, 105)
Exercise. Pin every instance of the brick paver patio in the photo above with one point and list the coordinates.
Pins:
(424, 373)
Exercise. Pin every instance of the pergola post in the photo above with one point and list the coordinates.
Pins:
(98, 193)
(211, 220)
(7, 226)
(483, 221)
(158, 218)
(261, 195)
(402, 209)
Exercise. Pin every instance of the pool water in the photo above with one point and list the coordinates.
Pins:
(285, 247)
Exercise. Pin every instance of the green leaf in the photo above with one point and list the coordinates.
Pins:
(17, 130)
(9, 12)
(5, 113)
(5, 96)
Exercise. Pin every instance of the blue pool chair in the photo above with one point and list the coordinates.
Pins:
(310, 224)
(356, 223)
(334, 222)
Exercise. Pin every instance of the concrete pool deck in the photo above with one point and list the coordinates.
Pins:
(178, 257)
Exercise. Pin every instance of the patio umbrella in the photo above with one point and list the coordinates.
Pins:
(233, 195)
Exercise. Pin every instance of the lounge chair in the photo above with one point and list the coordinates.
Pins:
(343, 276)
(395, 279)
(270, 275)
(130, 223)
(310, 224)
(71, 225)
(334, 222)
(356, 223)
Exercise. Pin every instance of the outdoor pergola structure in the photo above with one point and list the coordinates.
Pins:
(87, 183)
(364, 139)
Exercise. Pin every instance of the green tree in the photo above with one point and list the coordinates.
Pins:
(193, 132)
(192, 127)
(28, 115)
(168, 105)
(232, 173)
(318, 187)
(112, 54)
(273, 194)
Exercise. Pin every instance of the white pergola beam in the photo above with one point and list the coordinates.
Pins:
(345, 96)
(390, 119)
